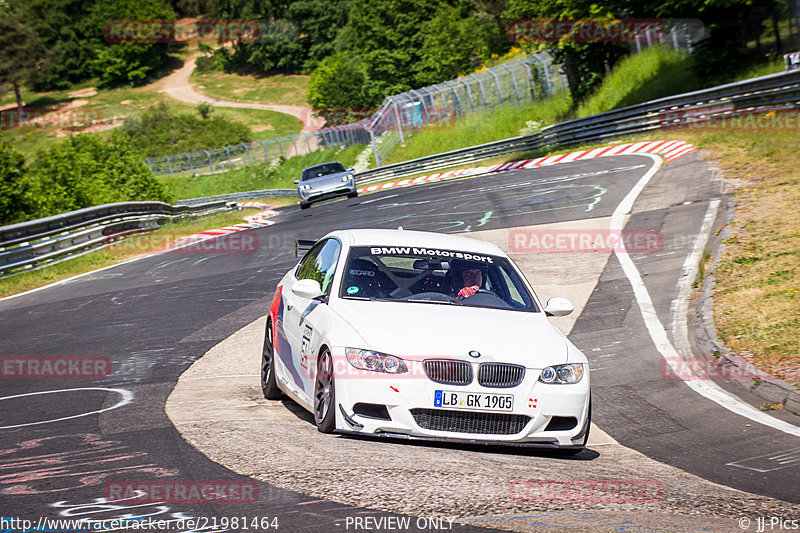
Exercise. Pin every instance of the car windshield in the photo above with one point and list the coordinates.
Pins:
(322, 170)
(434, 276)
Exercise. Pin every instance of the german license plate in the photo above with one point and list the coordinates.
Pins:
(473, 400)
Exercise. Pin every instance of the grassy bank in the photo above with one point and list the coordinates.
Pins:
(757, 289)
(256, 177)
(279, 89)
(481, 128)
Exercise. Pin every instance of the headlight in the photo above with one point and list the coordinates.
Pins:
(305, 187)
(562, 374)
(348, 177)
(375, 361)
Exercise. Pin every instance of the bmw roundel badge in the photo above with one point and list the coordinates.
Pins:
(474, 353)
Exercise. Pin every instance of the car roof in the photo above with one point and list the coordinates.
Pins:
(394, 237)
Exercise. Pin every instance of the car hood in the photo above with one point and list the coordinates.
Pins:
(421, 330)
(326, 180)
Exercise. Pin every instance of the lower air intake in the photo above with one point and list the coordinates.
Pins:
(466, 422)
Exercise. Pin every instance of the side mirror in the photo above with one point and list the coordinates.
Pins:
(351, 169)
(307, 288)
(558, 307)
(296, 182)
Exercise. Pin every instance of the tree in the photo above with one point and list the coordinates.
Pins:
(338, 83)
(20, 53)
(64, 30)
(127, 62)
(13, 200)
(85, 170)
(159, 131)
(455, 42)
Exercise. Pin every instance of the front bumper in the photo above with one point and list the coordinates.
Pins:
(318, 194)
(542, 414)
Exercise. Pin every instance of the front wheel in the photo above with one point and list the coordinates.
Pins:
(353, 194)
(324, 394)
(269, 386)
(304, 205)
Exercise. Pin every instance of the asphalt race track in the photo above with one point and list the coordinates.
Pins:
(64, 441)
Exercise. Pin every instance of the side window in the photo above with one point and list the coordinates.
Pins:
(320, 263)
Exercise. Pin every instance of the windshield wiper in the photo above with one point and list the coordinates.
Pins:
(448, 302)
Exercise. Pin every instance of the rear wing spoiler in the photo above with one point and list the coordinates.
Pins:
(302, 244)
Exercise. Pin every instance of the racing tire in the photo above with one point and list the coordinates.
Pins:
(325, 394)
(304, 205)
(352, 194)
(269, 385)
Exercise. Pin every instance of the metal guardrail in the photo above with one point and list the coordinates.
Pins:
(31, 243)
(771, 92)
(48, 240)
(239, 196)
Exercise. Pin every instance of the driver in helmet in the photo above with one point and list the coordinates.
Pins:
(471, 279)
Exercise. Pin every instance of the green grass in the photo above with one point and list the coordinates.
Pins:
(653, 73)
(285, 90)
(130, 247)
(480, 128)
(116, 104)
(255, 177)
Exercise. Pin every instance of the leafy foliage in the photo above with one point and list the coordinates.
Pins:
(85, 170)
(13, 200)
(159, 131)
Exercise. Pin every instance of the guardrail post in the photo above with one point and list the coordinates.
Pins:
(374, 148)
(483, 93)
(308, 146)
(514, 81)
(247, 151)
(189, 159)
(264, 147)
(530, 80)
(497, 82)
(169, 165)
(469, 95)
(227, 150)
(210, 163)
(399, 125)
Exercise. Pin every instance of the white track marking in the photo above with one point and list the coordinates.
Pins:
(705, 388)
(126, 398)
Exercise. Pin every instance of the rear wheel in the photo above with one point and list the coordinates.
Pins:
(324, 394)
(269, 386)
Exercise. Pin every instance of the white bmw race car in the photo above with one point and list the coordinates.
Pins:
(410, 334)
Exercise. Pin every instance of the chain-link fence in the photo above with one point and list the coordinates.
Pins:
(515, 83)
(520, 82)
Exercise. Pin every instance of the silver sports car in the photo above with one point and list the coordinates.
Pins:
(325, 181)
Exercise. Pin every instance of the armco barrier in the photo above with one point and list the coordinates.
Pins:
(31, 243)
(771, 92)
(47, 240)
